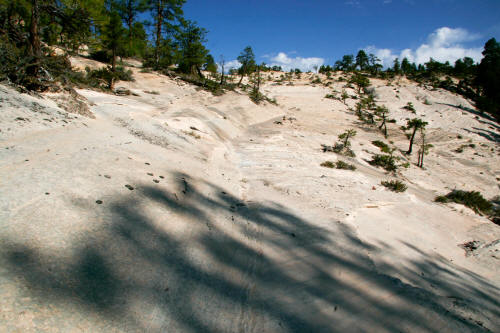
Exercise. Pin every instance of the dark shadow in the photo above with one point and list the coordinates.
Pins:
(480, 114)
(213, 263)
(487, 134)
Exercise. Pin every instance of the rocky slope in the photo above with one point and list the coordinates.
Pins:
(175, 210)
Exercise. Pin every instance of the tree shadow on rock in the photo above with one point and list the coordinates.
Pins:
(180, 258)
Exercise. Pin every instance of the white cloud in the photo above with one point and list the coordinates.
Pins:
(282, 59)
(354, 3)
(444, 44)
(228, 65)
(288, 63)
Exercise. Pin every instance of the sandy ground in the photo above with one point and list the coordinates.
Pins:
(179, 211)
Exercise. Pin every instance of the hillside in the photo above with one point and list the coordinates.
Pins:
(175, 210)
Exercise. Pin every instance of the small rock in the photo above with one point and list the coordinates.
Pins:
(162, 177)
(149, 174)
(99, 202)
(120, 91)
(47, 193)
(107, 176)
(129, 187)
(147, 163)
(156, 181)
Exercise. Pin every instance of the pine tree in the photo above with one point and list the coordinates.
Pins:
(414, 124)
(210, 64)
(488, 78)
(112, 40)
(168, 17)
(346, 136)
(192, 54)
(247, 61)
(361, 81)
(362, 60)
(382, 112)
(129, 10)
(397, 67)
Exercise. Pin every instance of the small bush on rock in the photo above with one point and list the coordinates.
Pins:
(395, 185)
(472, 199)
(345, 166)
(328, 164)
(386, 162)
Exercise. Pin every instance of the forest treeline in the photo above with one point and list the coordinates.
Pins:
(478, 82)
(157, 33)
(105, 29)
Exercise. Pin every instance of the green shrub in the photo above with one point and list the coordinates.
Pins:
(441, 199)
(339, 148)
(395, 185)
(471, 199)
(102, 77)
(316, 80)
(387, 162)
(345, 166)
(124, 75)
(382, 145)
(328, 164)
(410, 107)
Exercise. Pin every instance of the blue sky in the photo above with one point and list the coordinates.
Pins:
(308, 32)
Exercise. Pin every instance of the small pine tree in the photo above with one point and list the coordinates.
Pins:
(423, 149)
(382, 112)
(361, 81)
(247, 61)
(414, 124)
(346, 136)
(344, 96)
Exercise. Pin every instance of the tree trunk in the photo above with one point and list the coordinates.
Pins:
(346, 140)
(34, 46)
(113, 70)
(198, 71)
(130, 21)
(423, 151)
(258, 78)
(241, 79)
(411, 141)
(159, 19)
(222, 74)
